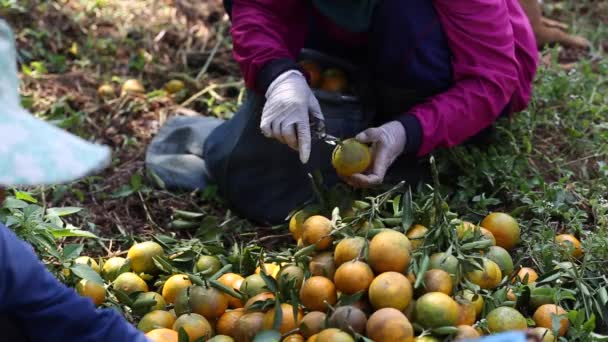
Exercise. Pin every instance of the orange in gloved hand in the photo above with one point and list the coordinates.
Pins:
(351, 157)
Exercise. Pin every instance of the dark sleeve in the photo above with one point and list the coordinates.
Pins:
(47, 309)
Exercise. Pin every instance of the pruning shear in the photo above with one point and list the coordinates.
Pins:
(317, 131)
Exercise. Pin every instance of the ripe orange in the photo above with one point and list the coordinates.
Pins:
(389, 250)
(504, 227)
(426, 338)
(293, 338)
(334, 335)
(467, 313)
(221, 338)
(209, 264)
(446, 262)
(334, 80)
(141, 257)
(290, 274)
(312, 323)
(106, 90)
(504, 319)
(467, 229)
(312, 338)
(502, 258)
(173, 286)
(227, 322)
(316, 230)
(570, 244)
(314, 73)
(132, 86)
(271, 269)
(466, 332)
(162, 335)
(208, 302)
(436, 309)
(248, 326)
(545, 335)
(351, 157)
(233, 281)
(488, 278)
(155, 320)
(437, 281)
(130, 283)
(317, 293)
(475, 299)
(390, 290)
(353, 276)
(93, 290)
(111, 268)
(85, 260)
(348, 318)
(288, 323)
(253, 285)
(195, 325)
(348, 249)
(416, 235)
(388, 325)
(297, 220)
(323, 265)
(524, 272)
(543, 317)
(262, 297)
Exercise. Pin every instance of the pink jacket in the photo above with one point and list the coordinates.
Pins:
(493, 49)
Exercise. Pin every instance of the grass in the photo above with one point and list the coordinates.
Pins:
(548, 166)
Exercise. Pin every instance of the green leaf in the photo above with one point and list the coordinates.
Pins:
(61, 233)
(13, 203)
(407, 218)
(183, 335)
(123, 297)
(21, 195)
(72, 251)
(136, 182)
(86, 272)
(278, 314)
(65, 211)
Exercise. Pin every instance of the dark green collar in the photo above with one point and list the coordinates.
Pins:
(352, 15)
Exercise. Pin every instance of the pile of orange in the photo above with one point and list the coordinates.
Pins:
(331, 79)
(368, 284)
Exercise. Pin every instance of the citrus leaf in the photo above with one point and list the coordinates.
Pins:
(61, 233)
(183, 335)
(72, 250)
(278, 315)
(86, 272)
(407, 216)
(64, 211)
(21, 195)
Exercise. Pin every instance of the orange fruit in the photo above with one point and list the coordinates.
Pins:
(323, 265)
(504, 319)
(334, 335)
(132, 86)
(475, 299)
(271, 269)
(389, 250)
(312, 323)
(290, 275)
(141, 256)
(248, 326)
(227, 322)
(426, 338)
(504, 228)
(293, 338)
(388, 325)
(155, 320)
(348, 318)
(233, 281)
(511, 295)
(195, 325)
(317, 293)
(545, 335)
(468, 229)
(416, 235)
(221, 338)
(334, 80)
(411, 277)
(502, 258)
(209, 264)
(351, 157)
(253, 285)
(130, 283)
(208, 302)
(487, 278)
(174, 285)
(312, 338)
(531, 274)
(437, 281)
(314, 73)
(570, 244)
(446, 262)
(262, 297)
(436, 309)
(466, 314)
(111, 268)
(353, 276)
(466, 332)
(148, 301)
(390, 290)
(316, 230)
(106, 90)
(85, 260)
(288, 323)
(174, 86)
(543, 317)
(93, 290)
(297, 220)
(162, 335)
(348, 249)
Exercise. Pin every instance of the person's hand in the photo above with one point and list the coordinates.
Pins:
(289, 109)
(388, 142)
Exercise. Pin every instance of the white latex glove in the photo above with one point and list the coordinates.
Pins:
(289, 109)
(388, 142)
